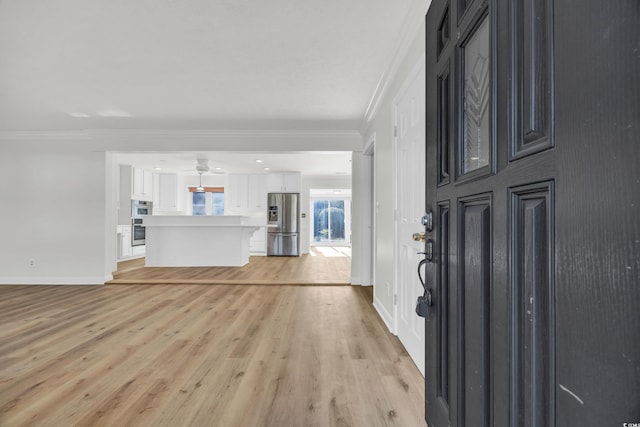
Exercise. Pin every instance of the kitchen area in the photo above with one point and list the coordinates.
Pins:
(203, 217)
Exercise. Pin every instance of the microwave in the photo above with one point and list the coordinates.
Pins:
(140, 208)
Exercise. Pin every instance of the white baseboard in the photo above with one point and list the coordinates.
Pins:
(129, 258)
(54, 280)
(355, 281)
(386, 317)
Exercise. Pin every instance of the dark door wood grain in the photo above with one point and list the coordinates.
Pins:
(533, 178)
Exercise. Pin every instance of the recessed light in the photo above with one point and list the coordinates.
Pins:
(258, 161)
(158, 168)
(266, 169)
(218, 169)
(79, 115)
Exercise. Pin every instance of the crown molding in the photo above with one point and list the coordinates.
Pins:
(414, 19)
(220, 133)
(208, 139)
(49, 135)
(228, 140)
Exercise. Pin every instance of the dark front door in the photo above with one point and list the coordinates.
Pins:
(533, 179)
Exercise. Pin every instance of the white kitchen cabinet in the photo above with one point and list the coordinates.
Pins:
(168, 197)
(142, 185)
(237, 191)
(246, 192)
(138, 251)
(284, 182)
(258, 242)
(147, 185)
(257, 191)
(125, 250)
(138, 182)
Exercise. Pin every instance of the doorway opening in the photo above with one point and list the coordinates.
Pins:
(330, 217)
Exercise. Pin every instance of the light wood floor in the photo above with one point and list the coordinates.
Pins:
(322, 266)
(199, 355)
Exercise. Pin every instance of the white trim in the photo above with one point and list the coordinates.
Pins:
(370, 145)
(384, 314)
(55, 280)
(129, 258)
(371, 151)
(355, 281)
(237, 140)
(210, 139)
(395, 189)
(79, 135)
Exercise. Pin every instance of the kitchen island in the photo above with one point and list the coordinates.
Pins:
(197, 241)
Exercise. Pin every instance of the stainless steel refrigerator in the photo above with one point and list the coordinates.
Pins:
(283, 224)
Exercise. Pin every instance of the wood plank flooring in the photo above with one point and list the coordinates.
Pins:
(199, 355)
(322, 266)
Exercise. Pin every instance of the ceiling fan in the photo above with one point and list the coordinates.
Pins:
(202, 166)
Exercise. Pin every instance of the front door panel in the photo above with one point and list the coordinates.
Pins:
(533, 175)
(532, 304)
(474, 300)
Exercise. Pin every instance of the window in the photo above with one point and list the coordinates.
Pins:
(331, 219)
(217, 203)
(207, 202)
(199, 203)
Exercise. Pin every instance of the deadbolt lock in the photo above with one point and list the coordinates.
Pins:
(419, 237)
(427, 221)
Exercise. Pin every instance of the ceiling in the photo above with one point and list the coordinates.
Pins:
(173, 65)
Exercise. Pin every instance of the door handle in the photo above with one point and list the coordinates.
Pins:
(426, 300)
(419, 237)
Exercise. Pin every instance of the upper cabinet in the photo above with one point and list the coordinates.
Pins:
(236, 192)
(284, 182)
(245, 191)
(167, 197)
(257, 191)
(142, 185)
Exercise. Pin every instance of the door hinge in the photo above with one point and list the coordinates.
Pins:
(395, 130)
(395, 299)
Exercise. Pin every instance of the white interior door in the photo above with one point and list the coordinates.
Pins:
(410, 191)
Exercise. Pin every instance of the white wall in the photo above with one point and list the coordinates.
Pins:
(52, 211)
(58, 192)
(381, 124)
(361, 220)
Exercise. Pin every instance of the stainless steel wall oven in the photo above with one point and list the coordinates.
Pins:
(139, 208)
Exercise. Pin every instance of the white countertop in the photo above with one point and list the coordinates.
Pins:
(223, 221)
